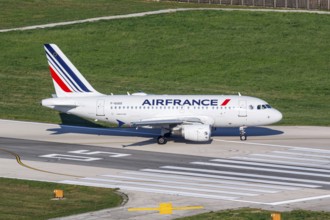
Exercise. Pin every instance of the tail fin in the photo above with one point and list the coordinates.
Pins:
(68, 81)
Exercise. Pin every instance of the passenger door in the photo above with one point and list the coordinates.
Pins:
(100, 107)
(242, 112)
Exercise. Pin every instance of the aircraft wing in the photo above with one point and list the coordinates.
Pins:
(169, 121)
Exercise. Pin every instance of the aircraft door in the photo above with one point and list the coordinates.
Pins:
(100, 107)
(242, 112)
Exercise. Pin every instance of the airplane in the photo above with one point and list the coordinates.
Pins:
(191, 116)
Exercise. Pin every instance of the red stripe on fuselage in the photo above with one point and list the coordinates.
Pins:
(225, 102)
(58, 80)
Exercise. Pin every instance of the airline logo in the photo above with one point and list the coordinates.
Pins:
(180, 102)
(63, 72)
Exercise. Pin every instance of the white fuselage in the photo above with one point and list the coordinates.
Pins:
(214, 110)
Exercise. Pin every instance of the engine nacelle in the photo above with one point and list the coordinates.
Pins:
(196, 132)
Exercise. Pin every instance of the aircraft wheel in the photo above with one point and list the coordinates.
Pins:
(243, 137)
(161, 140)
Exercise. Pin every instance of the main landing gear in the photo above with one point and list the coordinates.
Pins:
(163, 138)
(242, 133)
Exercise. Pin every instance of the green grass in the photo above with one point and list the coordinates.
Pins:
(18, 13)
(23, 199)
(282, 58)
(257, 214)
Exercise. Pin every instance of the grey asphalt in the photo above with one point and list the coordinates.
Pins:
(278, 167)
(30, 150)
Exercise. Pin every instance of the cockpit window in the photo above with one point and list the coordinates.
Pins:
(251, 107)
(263, 106)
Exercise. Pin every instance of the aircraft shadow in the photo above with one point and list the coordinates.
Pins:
(76, 125)
(73, 120)
(250, 131)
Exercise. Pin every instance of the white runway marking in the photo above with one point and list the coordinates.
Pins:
(292, 158)
(260, 169)
(232, 178)
(70, 157)
(219, 181)
(246, 174)
(192, 184)
(170, 186)
(87, 152)
(271, 165)
(280, 161)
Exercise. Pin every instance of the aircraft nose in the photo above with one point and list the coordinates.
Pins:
(277, 116)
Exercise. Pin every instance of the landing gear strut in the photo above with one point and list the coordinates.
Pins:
(242, 133)
(166, 133)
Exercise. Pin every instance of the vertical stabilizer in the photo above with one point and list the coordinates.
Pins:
(67, 79)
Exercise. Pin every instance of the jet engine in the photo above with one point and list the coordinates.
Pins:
(196, 132)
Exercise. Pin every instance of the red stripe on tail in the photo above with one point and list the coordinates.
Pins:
(58, 80)
(225, 102)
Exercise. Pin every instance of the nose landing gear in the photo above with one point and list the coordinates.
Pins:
(242, 133)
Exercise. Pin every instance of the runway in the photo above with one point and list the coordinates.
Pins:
(277, 168)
